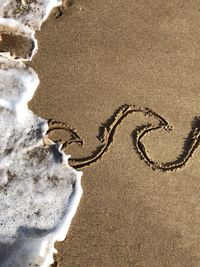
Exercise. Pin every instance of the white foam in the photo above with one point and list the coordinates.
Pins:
(30, 13)
(25, 17)
(39, 191)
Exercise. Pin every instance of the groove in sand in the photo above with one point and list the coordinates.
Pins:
(107, 132)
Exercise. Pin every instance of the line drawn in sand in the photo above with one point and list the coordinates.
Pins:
(107, 132)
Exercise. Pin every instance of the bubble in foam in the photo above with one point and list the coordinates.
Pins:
(39, 191)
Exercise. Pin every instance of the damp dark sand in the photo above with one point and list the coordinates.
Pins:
(96, 57)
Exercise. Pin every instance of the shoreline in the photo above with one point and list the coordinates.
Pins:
(40, 191)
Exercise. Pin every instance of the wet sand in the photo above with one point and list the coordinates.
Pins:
(96, 57)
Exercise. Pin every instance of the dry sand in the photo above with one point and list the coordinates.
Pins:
(93, 59)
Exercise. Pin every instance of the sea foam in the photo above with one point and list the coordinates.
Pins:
(39, 191)
(29, 12)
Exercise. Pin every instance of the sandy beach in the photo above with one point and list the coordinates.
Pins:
(93, 58)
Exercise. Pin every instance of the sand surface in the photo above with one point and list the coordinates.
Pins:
(96, 57)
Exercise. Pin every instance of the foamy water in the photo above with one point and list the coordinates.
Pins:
(39, 191)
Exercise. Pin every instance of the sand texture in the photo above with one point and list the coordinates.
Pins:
(120, 84)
